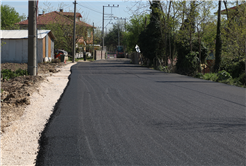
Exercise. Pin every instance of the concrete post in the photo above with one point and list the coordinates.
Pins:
(32, 41)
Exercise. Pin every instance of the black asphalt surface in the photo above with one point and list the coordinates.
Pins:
(116, 113)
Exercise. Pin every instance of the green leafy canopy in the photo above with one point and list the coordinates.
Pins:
(9, 17)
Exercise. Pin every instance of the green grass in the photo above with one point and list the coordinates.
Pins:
(71, 59)
(8, 74)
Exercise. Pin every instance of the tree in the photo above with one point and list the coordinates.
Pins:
(150, 40)
(233, 36)
(202, 18)
(218, 42)
(134, 28)
(97, 36)
(111, 39)
(64, 32)
(9, 17)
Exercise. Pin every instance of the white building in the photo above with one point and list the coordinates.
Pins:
(14, 47)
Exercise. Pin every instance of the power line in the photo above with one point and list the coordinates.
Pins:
(90, 9)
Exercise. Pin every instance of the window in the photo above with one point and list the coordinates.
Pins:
(88, 33)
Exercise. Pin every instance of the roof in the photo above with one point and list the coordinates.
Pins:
(229, 9)
(71, 14)
(23, 34)
(56, 17)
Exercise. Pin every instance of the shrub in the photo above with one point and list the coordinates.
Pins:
(210, 76)
(242, 78)
(199, 75)
(188, 64)
(184, 56)
(223, 75)
(234, 67)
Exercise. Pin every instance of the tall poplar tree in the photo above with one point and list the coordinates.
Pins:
(218, 42)
(150, 39)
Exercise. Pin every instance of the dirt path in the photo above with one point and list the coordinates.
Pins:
(19, 142)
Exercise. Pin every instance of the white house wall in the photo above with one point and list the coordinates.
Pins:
(46, 45)
(40, 50)
(16, 51)
(52, 49)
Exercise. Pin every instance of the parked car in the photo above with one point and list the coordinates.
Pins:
(64, 52)
(60, 52)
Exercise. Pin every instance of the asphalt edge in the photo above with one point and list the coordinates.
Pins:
(43, 139)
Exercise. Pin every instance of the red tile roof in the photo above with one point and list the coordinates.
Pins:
(70, 14)
(56, 17)
(232, 8)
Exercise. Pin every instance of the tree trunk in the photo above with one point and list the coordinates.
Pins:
(168, 15)
(199, 67)
(184, 5)
(227, 14)
(190, 41)
(218, 43)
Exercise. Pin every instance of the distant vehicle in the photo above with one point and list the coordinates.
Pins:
(60, 52)
(120, 52)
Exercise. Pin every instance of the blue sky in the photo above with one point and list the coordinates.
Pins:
(91, 10)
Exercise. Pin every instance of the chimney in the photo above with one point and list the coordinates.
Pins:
(61, 10)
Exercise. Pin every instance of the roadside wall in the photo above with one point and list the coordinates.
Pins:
(135, 57)
(100, 54)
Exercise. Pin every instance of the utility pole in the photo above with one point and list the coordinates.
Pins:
(74, 26)
(103, 24)
(93, 43)
(118, 34)
(119, 28)
(103, 30)
(32, 26)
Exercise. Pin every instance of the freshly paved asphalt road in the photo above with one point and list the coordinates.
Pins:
(115, 113)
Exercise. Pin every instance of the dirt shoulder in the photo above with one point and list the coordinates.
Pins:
(16, 92)
(19, 139)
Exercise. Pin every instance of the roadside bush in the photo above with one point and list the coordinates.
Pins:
(223, 75)
(188, 64)
(210, 76)
(184, 55)
(199, 75)
(242, 78)
(160, 68)
(234, 67)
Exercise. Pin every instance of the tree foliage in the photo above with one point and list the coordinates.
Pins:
(187, 30)
(111, 39)
(64, 34)
(150, 40)
(134, 28)
(9, 17)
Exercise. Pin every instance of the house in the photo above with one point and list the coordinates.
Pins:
(15, 46)
(231, 11)
(63, 18)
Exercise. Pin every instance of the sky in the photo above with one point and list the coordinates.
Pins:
(91, 11)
